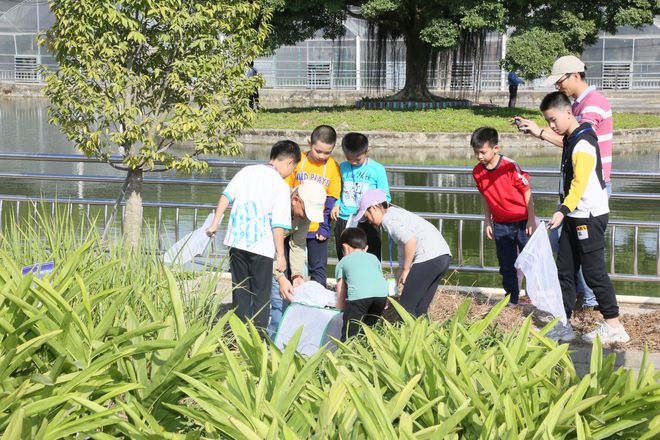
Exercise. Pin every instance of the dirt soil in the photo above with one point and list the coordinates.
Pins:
(643, 328)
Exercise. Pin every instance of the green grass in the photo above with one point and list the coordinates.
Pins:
(447, 120)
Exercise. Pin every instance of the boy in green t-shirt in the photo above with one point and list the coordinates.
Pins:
(361, 286)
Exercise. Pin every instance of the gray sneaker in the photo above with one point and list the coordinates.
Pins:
(561, 333)
(608, 334)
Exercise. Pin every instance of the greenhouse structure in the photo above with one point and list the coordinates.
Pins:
(629, 60)
(20, 23)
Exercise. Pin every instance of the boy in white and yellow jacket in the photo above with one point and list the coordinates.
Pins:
(583, 215)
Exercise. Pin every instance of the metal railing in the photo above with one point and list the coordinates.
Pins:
(20, 203)
(343, 75)
(350, 74)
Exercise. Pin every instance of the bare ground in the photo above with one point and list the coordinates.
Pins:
(643, 328)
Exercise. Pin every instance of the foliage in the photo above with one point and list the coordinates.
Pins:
(144, 75)
(53, 235)
(78, 359)
(445, 120)
(543, 30)
(441, 33)
(137, 77)
(532, 53)
(294, 21)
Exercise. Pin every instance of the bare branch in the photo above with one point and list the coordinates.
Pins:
(164, 148)
(118, 167)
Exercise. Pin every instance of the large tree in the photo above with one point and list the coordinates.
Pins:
(544, 29)
(137, 77)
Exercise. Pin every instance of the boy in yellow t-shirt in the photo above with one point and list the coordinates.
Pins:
(316, 164)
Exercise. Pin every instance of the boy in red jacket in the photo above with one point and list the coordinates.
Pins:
(508, 204)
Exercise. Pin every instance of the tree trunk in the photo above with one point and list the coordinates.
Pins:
(418, 55)
(133, 214)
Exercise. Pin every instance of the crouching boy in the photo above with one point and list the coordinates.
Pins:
(307, 205)
(361, 286)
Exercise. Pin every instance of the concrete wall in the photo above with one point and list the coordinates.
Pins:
(643, 101)
(406, 147)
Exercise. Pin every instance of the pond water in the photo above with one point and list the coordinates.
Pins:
(24, 128)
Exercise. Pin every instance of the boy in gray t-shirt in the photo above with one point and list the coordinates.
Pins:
(424, 255)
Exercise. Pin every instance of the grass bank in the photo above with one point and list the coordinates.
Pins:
(446, 120)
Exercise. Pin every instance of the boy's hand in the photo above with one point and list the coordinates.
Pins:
(489, 231)
(210, 232)
(298, 280)
(402, 275)
(281, 263)
(531, 226)
(556, 220)
(286, 288)
(321, 237)
(529, 126)
(334, 213)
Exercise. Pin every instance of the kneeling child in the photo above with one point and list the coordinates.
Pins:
(361, 286)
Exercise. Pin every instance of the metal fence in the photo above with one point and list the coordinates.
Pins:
(335, 75)
(18, 205)
(340, 75)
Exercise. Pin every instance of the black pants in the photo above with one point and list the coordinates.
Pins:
(373, 237)
(582, 242)
(510, 239)
(254, 100)
(367, 310)
(513, 95)
(317, 260)
(251, 281)
(422, 283)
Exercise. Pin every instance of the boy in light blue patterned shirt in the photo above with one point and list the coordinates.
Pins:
(359, 173)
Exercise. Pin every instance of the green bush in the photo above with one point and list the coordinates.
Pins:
(78, 359)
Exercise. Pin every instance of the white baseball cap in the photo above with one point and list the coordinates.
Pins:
(313, 196)
(562, 66)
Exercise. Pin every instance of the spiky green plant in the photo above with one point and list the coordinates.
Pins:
(91, 351)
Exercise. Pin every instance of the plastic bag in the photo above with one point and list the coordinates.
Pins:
(190, 245)
(538, 264)
(40, 269)
(319, 326)
(312, 293)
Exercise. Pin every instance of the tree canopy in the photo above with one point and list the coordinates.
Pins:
(543, 29)
(137, 77)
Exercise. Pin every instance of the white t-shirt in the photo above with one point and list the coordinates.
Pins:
(260, 201)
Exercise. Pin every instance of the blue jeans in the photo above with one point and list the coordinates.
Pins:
(588, 296)
(317, 260)
(510, 239)
(277, 308)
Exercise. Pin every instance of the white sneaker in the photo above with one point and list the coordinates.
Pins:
(608, 334)
(561, 332)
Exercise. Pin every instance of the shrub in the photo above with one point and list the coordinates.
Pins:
(93, 353)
